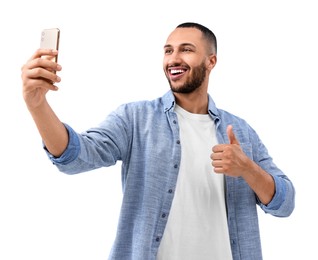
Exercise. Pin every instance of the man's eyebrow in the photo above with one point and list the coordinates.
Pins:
(181, 45)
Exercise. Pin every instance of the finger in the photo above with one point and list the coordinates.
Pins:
(217, 164)
(218, 170)
(43, 52)
(219, 148)
(231, 135)
(40, 74)
(217, 167)
(216, 156)
(33, 84)
(43, 63)
(40, 68)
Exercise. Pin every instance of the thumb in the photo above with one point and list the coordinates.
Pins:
(231, 135)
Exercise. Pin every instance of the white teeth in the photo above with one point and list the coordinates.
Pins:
(176, 71)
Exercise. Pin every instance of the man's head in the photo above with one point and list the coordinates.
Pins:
(189, 57)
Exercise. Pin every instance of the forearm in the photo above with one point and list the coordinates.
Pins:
(261, 183)
(51, 129)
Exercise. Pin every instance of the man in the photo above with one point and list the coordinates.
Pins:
(192, 173)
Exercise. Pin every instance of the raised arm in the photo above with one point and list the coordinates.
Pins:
(38, 77)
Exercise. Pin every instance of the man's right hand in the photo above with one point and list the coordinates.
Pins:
(38, 77)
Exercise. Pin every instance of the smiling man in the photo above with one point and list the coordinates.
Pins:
(193, 174)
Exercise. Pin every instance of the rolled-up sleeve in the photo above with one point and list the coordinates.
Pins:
(71, 152)
(282, 204)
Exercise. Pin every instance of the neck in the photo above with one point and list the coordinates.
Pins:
(195, 102)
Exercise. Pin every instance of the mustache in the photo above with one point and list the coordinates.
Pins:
(181, 65)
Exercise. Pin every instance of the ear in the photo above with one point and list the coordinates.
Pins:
(212, 59)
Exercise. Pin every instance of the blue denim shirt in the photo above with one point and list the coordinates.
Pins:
(145, 137)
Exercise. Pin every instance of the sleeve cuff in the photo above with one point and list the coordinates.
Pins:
(279, 197)
(71, 152)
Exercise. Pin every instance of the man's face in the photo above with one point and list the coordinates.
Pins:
(185, 60)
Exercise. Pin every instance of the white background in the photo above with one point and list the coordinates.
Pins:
(111, 52)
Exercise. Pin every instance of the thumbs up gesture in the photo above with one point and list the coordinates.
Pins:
(230, 159)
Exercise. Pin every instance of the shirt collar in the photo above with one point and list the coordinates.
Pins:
(169, 102)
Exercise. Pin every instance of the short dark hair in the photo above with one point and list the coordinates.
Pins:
(207, 33)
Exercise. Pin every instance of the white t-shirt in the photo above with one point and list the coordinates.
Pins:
(197, 224)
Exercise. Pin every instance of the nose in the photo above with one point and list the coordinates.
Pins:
(173, 58)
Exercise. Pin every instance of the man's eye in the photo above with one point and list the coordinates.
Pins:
(186, 50)
(168, 51)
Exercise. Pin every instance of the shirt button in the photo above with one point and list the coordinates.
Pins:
(174, 121)
(163, 215)
(178, 141)
(157, 239)
(176, 166)
(170, 191)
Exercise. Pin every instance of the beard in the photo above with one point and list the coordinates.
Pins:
(199, 74)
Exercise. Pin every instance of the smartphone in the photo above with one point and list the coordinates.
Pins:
(50, 39)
